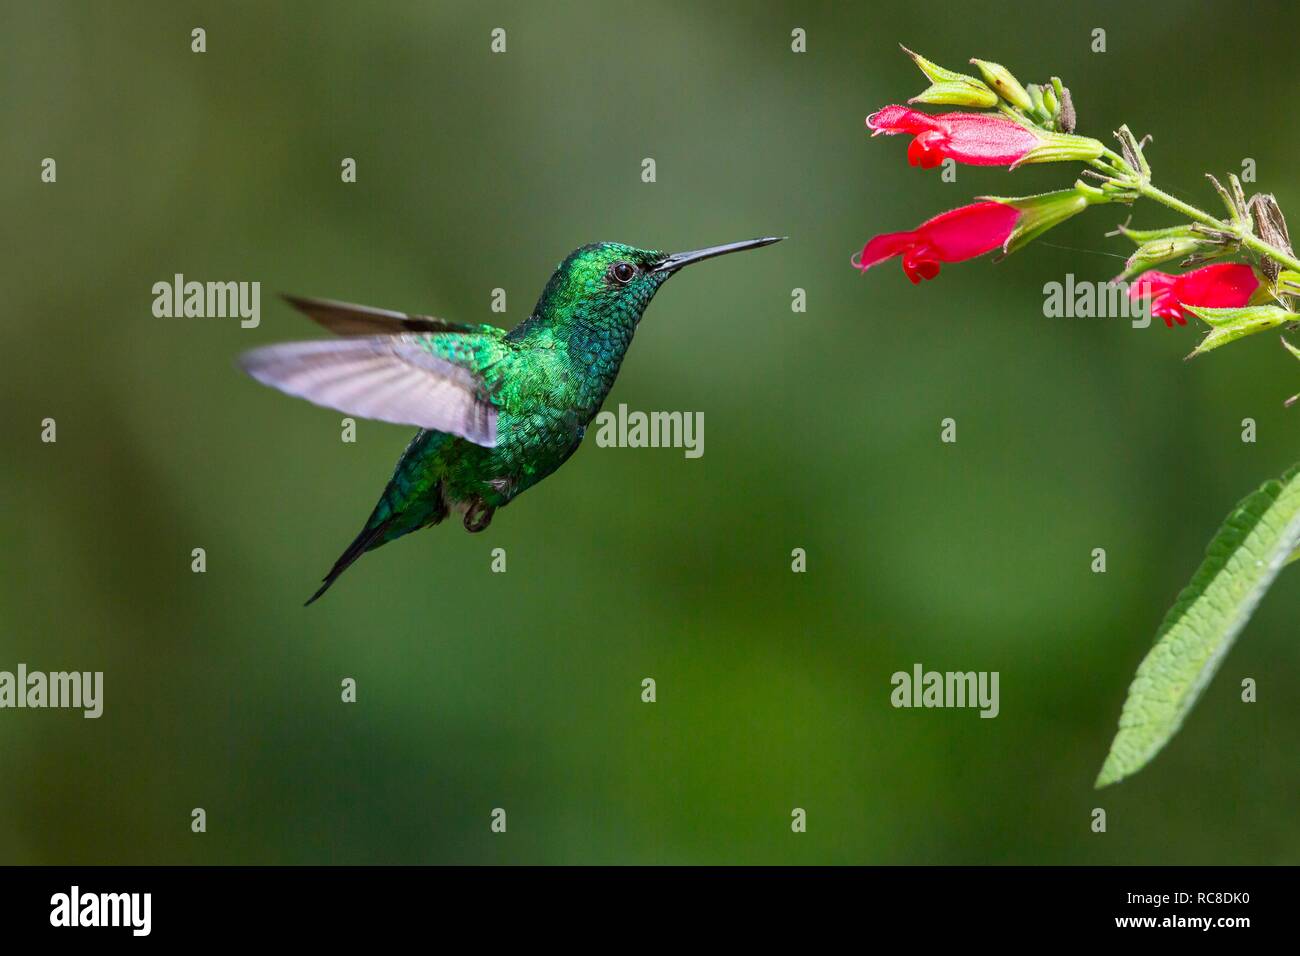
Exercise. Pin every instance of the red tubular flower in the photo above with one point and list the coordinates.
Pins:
(953, 236)
(978, 139)
(1222, 286)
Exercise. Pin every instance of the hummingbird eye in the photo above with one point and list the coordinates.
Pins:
(622, 272)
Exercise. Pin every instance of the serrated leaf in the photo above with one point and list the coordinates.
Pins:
(1228, 325)
(1254, 544)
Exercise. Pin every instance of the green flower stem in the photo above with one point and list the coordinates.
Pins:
(1118, 172)
(1241, 233)
(1190, 211)
(1115, 158)
(1246, 237)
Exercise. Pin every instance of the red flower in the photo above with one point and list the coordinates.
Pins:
(978, 139)
(951, 237)
(1222, 286)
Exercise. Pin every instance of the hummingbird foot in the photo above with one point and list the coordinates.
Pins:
(478, 515)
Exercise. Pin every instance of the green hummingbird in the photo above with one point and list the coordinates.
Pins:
(498, 411)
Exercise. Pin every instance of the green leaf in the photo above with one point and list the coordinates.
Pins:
(1241, 562)
(1228, 325)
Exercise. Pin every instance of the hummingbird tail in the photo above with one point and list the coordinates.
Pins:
(413, 499)
(359, 546)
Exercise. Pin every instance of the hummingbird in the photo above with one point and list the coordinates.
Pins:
(497, 411)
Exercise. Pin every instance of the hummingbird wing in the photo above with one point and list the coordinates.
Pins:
(390, 378)
(345, 318)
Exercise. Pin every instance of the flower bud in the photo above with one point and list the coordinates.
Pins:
(950, 88)
(1140, 236)
(1050, 103)
(1156, 251)
(1007, 86)
(1036, 104)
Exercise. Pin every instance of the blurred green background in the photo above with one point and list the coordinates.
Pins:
(522, 690)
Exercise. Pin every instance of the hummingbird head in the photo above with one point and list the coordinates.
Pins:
(607, 281)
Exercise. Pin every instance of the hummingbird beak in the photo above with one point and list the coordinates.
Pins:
(676, 260)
